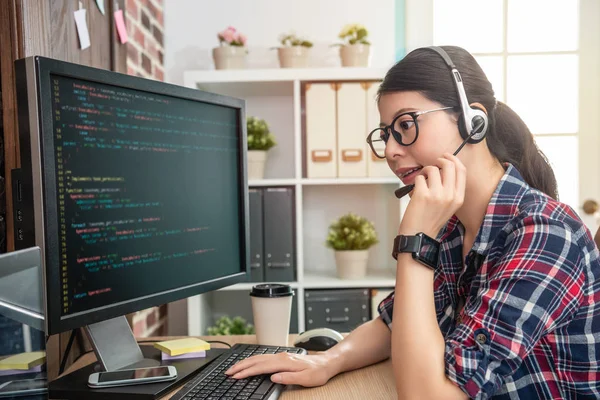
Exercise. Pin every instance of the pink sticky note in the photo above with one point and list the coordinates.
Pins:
(121, 26)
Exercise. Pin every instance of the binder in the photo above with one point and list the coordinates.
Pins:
(255, 199)
(351, 135)
(321, 150)
(278, 225)
(376, 167)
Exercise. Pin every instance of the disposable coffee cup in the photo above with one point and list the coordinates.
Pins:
(272, 309)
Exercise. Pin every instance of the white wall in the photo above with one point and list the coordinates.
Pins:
(191, 28)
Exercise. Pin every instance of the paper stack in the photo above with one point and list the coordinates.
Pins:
(182, 348)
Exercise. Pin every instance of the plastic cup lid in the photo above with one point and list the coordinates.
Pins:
(271, 290)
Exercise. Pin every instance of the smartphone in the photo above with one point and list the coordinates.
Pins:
(132, 376)
(23, 387)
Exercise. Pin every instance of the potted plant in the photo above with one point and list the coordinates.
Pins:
(294, 51)
(228, 326)
(260, 140)
(355, 50)
(231, 52)
(351, 236)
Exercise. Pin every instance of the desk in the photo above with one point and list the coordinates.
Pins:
(372, 382)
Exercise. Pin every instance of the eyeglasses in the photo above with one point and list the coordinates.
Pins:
(404, 128)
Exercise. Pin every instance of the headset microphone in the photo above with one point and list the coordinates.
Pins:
(403, 191)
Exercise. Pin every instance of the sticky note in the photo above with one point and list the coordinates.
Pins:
(100, 4)
(23, 360)
(121, 26)
(196, 354)
(82, 29)
(182, 346)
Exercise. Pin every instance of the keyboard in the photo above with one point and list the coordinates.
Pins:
(212, 383)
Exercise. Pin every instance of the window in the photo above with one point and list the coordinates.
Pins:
(529, 50)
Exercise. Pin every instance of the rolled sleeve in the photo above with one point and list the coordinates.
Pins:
(386, 309)
(529, 289)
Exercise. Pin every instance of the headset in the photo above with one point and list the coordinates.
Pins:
(474, 118)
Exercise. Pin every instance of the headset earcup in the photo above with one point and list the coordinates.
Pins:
(461, 127)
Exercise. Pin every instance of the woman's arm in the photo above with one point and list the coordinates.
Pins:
(366, 345)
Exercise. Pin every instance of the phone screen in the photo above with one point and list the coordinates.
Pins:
(24, 385)
(133, 374)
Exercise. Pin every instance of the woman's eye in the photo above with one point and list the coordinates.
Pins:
(407, 124)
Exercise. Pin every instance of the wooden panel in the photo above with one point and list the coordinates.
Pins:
(11, 48)
(119, 51)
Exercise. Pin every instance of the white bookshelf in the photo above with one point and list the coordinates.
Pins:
(275, 95)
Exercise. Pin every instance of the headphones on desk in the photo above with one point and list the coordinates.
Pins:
(471, 118)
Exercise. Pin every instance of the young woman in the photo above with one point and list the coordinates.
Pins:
(511, 309)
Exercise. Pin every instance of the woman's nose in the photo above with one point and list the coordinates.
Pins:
(393, 148)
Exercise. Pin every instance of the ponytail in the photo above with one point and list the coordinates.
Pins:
(510, 140)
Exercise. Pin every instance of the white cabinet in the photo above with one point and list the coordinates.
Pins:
(305, 123)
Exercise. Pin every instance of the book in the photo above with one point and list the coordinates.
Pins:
(181, 346)
(196, 354)
(23, 361)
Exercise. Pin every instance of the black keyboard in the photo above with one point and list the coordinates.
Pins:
(213, 384)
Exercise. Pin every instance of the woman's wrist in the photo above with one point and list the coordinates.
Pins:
(334, 361)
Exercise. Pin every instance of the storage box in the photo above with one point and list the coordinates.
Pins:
(320, 129)
(351, 129)
(338, 309)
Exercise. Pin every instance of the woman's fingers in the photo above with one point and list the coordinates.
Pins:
(265, 364)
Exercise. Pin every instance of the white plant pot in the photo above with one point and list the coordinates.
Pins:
(256, 164)
(293, 57)
(351, 264)
(229, 57)
(355, 55)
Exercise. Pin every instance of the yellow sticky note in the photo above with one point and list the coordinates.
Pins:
(23, 361)
(181, 346)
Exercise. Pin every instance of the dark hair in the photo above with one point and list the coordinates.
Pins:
(508, 138)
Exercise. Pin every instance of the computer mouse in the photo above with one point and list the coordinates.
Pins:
(319, 339)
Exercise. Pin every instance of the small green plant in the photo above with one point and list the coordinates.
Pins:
(291, 39)
(259, 135)
(228, 326)
(351, 232)
(353, 34)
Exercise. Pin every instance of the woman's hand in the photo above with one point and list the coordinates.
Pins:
(435, 199)
(288, 369)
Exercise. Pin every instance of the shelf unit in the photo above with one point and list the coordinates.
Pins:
(275, 95)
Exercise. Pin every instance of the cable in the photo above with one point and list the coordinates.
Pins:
(67, 350)
(218, 341)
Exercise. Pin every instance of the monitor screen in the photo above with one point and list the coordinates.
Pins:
(143, 190)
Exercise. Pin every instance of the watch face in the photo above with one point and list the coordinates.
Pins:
(430, 251)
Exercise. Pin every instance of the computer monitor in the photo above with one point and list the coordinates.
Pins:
(135, 191)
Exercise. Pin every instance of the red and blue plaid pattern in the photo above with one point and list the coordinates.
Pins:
(530, 327)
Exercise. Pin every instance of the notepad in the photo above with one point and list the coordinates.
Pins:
(23, 361)
(182, 346)
(195, 354)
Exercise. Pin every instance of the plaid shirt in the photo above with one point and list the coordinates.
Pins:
(530, 326)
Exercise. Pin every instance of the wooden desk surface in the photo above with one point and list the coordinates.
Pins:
(373, 382)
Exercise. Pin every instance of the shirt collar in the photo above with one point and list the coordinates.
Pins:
(502, 207)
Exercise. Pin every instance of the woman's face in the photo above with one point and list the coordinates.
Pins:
(438, 133)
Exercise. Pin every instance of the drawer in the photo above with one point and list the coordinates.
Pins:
(341, 310)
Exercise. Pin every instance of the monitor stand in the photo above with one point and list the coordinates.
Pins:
(116, 347)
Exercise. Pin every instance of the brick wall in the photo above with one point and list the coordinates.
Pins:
(145, 28)
(145, 58)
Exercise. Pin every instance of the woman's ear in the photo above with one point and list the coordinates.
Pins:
(479, 106)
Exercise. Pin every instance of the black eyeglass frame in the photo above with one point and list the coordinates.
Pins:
(389, 129)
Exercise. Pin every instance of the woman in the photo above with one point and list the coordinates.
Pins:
(512, 307)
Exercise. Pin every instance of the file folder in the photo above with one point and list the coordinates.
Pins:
(278, 212)
(255, 199)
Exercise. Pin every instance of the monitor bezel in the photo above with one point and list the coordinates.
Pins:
(44, 68)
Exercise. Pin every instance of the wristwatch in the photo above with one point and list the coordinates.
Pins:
(424, 249)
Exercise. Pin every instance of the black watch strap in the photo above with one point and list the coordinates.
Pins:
(406, 244)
